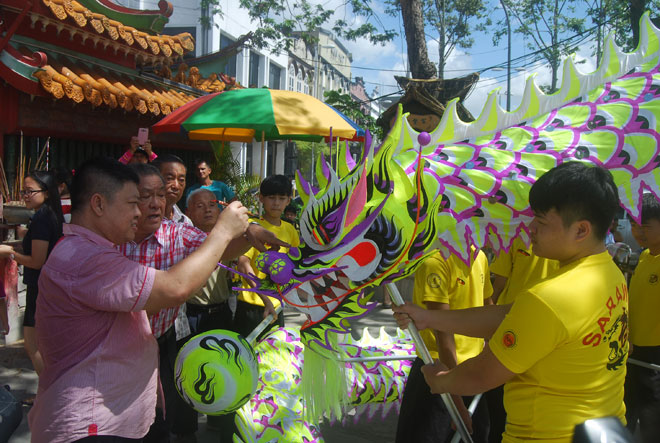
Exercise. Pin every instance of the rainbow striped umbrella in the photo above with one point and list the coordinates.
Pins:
(245, 114)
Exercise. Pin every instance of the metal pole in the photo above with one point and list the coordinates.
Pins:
(252, 338)
(426, 357)
(508, 58)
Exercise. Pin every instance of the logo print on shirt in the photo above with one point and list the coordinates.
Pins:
(653, 279)
(509, 339)
(433, 280)
(460, 281)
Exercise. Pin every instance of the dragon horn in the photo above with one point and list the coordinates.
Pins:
(303, 187)
(322, 171)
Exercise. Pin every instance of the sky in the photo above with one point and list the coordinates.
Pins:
(383, 62)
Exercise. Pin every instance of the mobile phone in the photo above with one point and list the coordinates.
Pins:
(143, 136)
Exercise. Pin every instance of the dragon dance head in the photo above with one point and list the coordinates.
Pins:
(463, 185)
(367, 224)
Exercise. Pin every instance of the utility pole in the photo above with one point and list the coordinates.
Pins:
(508, 58)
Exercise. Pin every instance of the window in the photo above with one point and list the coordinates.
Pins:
(275, 77)
(229, 66)
(253, 81)
(292, 79)
(299, 81)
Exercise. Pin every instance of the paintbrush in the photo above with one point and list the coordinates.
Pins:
(225, 204)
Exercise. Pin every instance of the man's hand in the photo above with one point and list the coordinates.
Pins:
(432, 374)
(269, 309)
(233, 220)
(259, 237)
(408, 312)
(134, 144)
(244, 266)
(147, 148)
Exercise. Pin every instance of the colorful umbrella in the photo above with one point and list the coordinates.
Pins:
(245, 114)
(359, 132)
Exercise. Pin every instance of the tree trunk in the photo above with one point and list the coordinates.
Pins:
(413, 23)
(637, 8)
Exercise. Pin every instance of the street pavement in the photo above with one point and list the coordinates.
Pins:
(16, 371)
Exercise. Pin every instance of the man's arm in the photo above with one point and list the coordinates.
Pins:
(256, 236)
(172, 287)
(480, 322)
(476, 375)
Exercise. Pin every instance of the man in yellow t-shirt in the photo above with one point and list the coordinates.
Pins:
(444, 284)
(642, 384)
(275, 194)
(516, 270)
(561, 348)
(513, 272)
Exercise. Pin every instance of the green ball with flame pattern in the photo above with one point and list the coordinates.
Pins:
(216, 372)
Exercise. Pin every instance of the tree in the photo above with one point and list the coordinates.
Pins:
(546, 23)
(451, 19)
(280, 22)
(353, 110)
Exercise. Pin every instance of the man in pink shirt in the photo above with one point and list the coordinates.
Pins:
(101, 360)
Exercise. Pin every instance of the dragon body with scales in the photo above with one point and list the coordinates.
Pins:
(462, 185)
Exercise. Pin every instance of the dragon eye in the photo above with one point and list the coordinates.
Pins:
(321, 235)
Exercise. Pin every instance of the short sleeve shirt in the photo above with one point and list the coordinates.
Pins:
(221, 190)
(522, 269)
(170, 244)
(453, 282)
(44, 226)
(100, 358)
(645, 301)
(567, 339)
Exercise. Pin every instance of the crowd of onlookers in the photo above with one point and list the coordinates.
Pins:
(113, 233)
(121, 268)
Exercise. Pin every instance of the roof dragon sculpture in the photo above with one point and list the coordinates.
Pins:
(463, 184)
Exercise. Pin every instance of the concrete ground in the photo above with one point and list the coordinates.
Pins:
(17, 372)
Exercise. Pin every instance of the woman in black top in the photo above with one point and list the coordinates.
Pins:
(44, 230)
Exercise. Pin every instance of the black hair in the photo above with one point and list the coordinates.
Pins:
(167, 158)
(650, 208)
(199, 161)
(63, 176)
(140, 151)
(577, 192)
(291, 208)
(46, 181)
(99, 175)
(146, 170)
(276, 185)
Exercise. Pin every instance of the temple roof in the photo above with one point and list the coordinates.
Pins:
(121, 37)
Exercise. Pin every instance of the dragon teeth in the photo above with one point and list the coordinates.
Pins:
(338, 291)
(307, 287)
(332, 275)
(344, 281)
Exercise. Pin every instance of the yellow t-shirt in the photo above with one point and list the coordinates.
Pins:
(645, 301)
(522, 269)
(567, 339)
(285, 232)
(454, 283)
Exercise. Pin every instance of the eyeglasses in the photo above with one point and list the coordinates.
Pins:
(29, 192)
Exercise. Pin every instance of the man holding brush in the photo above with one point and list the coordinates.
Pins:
(160, 243)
